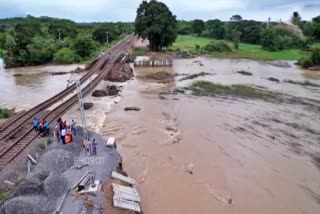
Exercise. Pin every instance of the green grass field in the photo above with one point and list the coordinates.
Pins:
(246, 51)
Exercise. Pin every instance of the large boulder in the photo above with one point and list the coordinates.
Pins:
(120, 73)
(113, 90)
(87, 106)
(99, 93)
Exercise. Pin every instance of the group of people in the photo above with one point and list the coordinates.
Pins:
(90, 146)
(43, 127)
(65, 132)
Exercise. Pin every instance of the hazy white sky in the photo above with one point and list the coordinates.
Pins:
(124, 10)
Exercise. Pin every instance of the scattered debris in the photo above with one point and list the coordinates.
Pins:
(9, 183)
(132, 109)
(246, 73)
(273, 79)
(32, 159)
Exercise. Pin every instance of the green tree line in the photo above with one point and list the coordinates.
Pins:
(34, 41)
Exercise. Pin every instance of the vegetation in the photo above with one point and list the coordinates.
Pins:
(33, 41)
(155, 22)
(252, 39)
(205, 88)
(5, 113)
(247, 51)
(197, 27)
(236, 38)
(4, 195)
(217, 46)
(275, 39)
(311, 59)
(194, 76)
(161, 75)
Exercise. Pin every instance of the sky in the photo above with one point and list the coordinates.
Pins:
(125, 10)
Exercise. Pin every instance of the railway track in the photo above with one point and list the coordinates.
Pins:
(16, 125)
(104, 65)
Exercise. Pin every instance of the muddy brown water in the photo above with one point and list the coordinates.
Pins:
(35, 86)
(256, 153)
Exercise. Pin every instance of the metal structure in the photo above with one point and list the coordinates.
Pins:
(82, 115)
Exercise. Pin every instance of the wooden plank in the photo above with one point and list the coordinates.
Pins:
(123, 178)
(129, 190)
(128, 205)
(126, 196)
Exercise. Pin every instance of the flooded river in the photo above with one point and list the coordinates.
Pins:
(221, 155)
(206, 154)
(35, 86)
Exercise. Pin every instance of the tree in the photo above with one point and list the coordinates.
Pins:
(316, 19)
(296, 18)
(236, 18)
(197, 26)
(274, 39)
(105, 33)
(62, 29)
(66, 55)
(215, 29)
(236, 38)
(84, 45)
(184, 27)
(155, 22)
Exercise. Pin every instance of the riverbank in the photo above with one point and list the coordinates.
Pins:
(245, 51)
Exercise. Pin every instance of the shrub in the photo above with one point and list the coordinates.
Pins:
(275, 39)
(5, 113)
(217, 47)
(66, 55)
(314, 59)
(305, 62)
(315, 54)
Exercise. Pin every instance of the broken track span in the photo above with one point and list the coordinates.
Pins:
(104, 65)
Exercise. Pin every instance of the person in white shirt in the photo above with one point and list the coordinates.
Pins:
(63, 135)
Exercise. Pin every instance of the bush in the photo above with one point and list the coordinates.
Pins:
(314, 59)
(305, 62)
(66, 55)
(315, 54)
(275, 39)
(217, 47)
(5, 113)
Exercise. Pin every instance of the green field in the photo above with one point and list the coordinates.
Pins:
(246, 51)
